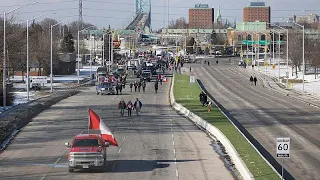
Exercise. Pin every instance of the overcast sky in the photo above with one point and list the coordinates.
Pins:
(118, 13)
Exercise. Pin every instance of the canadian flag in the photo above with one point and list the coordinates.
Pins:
(95, 123)
(164, 79)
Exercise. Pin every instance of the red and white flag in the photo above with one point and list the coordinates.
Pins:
(95, 123)
(164, 79)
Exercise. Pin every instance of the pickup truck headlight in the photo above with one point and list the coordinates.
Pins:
(99, 156)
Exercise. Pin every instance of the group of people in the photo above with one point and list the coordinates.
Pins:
(137, 85)
(253, 80)
(129, 106)
(207, 62)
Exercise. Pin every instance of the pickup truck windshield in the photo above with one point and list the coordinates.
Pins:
(86, 143)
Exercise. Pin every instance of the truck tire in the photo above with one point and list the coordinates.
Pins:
(97, 93)
(71, 170)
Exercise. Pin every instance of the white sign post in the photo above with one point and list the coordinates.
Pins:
(283, 150)
(192, 79)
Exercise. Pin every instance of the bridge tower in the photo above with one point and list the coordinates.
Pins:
(144, 7)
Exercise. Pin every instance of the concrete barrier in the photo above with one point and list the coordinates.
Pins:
(239, 164)
(14, 120)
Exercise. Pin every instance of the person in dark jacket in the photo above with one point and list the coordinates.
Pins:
(251, 80)
(205, 99)
(255, 81)
(201, 97)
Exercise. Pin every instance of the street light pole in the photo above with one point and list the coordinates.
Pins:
(78, 69)
(103, 51)
(303, 60)
(51, 56)
(51, 64)
(287, 73)
(4, 73)
(28, 73)
(279, 58)
(79, 58)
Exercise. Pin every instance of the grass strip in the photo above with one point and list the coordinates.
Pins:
(187, 95)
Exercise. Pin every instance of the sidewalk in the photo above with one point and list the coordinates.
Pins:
(270, 79)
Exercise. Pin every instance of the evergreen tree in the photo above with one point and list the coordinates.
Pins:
(67, 44)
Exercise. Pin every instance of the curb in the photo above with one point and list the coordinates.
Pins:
(239, 164)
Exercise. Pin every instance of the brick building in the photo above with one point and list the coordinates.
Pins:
(201, 16)
(257, 11)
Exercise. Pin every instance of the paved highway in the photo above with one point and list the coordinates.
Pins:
(157, 145)
(266, 113)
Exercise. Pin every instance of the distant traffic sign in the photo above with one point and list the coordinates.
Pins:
(283, 147)
(266, 64)
(273, 66)
(192, 79)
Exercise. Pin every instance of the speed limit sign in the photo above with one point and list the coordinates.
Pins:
(283, 147)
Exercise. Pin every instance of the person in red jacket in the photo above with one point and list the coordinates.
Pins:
(130, 107)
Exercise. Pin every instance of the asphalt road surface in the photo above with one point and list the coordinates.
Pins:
(266, 113)
(157, 145)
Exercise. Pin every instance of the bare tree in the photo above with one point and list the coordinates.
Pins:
(295, 49)
(312, 54)
(40, 48)
(180, 23)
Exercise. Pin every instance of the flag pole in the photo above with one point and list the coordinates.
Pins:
(88, 119)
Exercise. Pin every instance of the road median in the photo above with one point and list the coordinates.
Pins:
(12, 121)
(246, 159)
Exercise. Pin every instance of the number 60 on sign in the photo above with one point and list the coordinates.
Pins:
(283, 147)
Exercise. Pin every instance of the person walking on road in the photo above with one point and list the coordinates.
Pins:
(137, 106)
(139, 85)
(144, 84)
(156, 87)
(255, 81)
(131, 85)
(129, 108)
(208, 63)
(251, 80)
(117, 88)
(122, 106)
(135, 86)
(120, 88)
(190, 68)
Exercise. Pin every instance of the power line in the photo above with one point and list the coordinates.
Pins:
(41, 3)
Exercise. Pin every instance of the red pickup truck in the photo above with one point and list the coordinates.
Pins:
(87, 151)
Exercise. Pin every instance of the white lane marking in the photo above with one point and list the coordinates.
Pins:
(177, 173)
(302, 139)
(119, 151)
(175, 160)
(318, 150)
(43, 177)
(172, 136)
(173, 143)
(174, 152)
(124, 138)
(57, 160)
(114, 165)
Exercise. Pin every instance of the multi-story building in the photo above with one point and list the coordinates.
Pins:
(257, 11)
(312, 18)
(201, 16)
